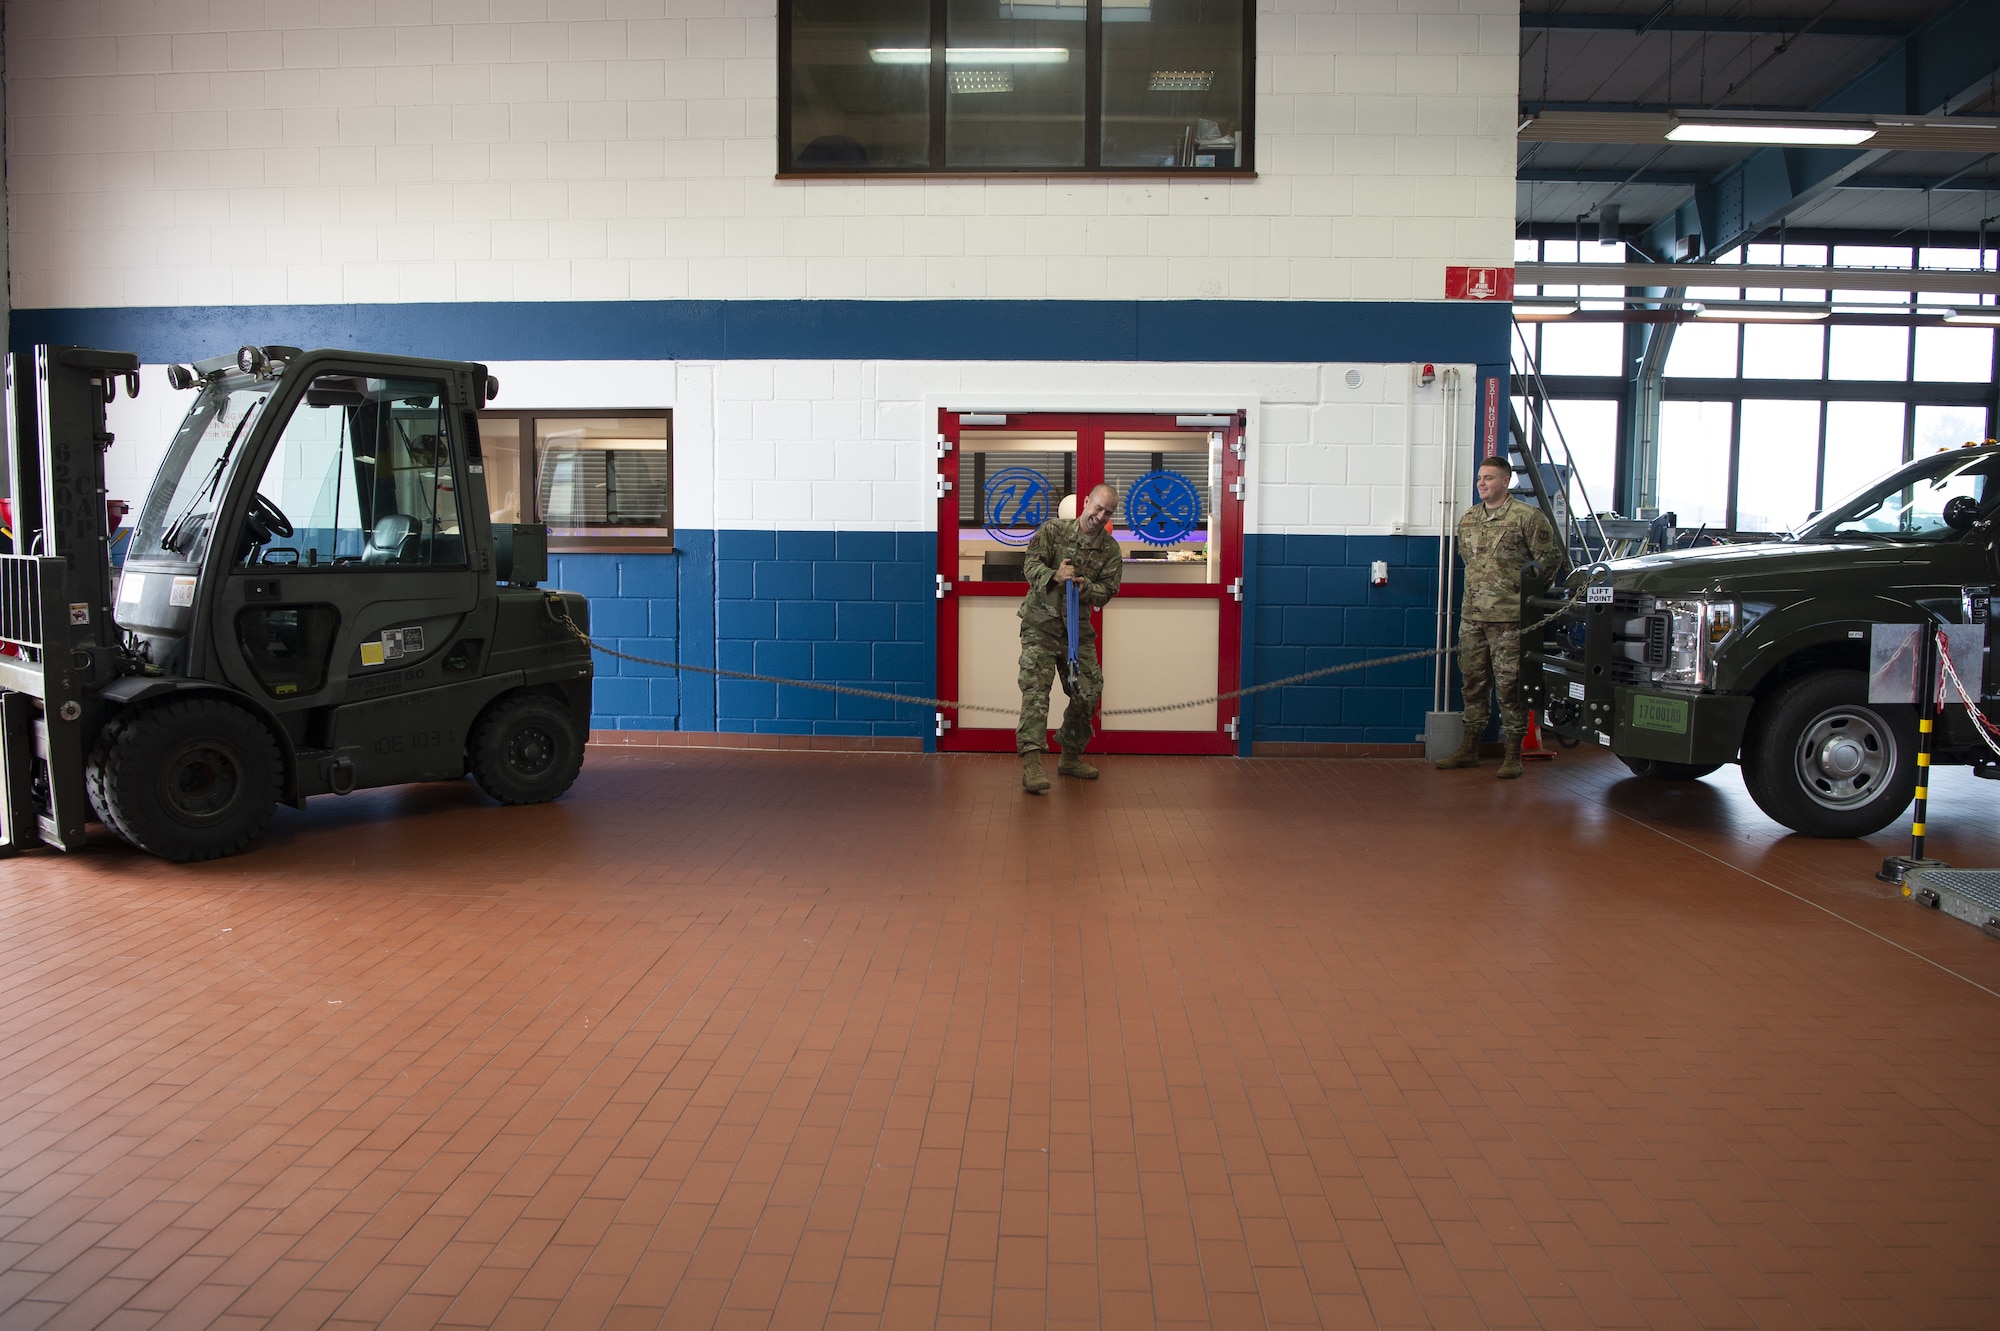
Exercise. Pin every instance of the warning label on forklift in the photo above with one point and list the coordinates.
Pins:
(131, 588)
(394, 645)
(182, 592)
(398, 643)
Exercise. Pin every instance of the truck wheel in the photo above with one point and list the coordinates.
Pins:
(1822, 760)
(526, 749)
(190, 780)
(1665, 771)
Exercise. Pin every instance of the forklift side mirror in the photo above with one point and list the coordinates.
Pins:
(1960, 512)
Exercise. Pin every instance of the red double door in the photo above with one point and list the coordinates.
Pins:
(1174, 634)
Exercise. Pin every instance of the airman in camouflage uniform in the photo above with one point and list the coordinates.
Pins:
(1495, 537)
(1062, 550)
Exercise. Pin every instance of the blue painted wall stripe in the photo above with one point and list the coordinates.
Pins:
(1002, 330)
(860, 608)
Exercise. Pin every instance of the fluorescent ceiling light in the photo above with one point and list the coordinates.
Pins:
(1987, 316)
(1762, 313)
(972, 55)
(1544, 313)
(982, 80)
(1787, 136)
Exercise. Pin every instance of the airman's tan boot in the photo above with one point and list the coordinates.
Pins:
(1072, 764)
(1510, 766)
(1032, 779)
(1466, 755)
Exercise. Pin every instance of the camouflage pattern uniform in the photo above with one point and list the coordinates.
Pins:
(1045, 638)
(1494, 545)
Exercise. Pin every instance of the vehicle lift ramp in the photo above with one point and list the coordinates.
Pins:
(59, 640)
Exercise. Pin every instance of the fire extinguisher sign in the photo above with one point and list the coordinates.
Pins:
(1474, 283)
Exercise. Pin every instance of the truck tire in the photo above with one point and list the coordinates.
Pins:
(1823, 761)
(189, 780)
(526, 749)
(1666, 771)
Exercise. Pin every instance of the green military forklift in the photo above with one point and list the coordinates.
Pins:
(313, 601)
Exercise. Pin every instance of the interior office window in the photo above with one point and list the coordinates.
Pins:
(860, 83)
(1694, 462)
(1864, 440)
(595, 480)
(1173, 84)
(1703, 351)
(1783, 351)
(1014, 85)
(1856, 351)
(984, 86)
(1777, 465)
(1955, 355)
(500, 444)
(1947, 427)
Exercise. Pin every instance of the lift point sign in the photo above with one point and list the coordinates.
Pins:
(1461, 283)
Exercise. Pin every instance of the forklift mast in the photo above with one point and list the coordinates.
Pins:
(56, 629)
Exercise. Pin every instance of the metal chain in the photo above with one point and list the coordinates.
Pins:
(560, 614)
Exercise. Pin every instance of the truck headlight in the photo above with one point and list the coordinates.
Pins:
(1698, 629)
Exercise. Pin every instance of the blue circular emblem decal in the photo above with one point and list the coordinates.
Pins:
(1162, 507)
(1017, 502)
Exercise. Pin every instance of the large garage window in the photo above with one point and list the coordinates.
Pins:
(990, 86)
(597, 481)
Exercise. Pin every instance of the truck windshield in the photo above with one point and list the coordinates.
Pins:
(1908, 505)
(180, 511)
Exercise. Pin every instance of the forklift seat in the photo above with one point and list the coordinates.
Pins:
(392, 541)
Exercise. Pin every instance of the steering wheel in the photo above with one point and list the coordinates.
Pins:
(267, 519)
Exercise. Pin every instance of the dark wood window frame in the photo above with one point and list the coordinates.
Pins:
(1093, 111)
(529, 488)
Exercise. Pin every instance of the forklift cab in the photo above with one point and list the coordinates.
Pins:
(315, 524)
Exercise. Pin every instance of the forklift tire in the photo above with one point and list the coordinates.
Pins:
(526, 749)
(1824, 761)
(1666, 771)
(189, 780)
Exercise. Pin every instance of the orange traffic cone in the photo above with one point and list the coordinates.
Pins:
(1531, 743)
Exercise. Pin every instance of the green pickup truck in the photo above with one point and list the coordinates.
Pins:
(1759, 654)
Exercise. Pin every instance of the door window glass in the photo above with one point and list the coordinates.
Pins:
(363, 475)
(1166, 495)
(1010, 483)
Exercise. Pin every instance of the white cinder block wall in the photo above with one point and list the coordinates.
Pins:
(210, 152)
(833, 445)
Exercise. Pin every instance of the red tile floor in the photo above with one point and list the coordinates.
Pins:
(765, 1039)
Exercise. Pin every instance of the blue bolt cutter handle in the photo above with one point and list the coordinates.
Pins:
(1074, 609)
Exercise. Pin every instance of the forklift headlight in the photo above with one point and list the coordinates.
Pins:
(180, 376)
(492, 388)
(251, 360)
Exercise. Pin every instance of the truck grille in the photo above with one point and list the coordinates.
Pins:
(21, 600)
(1642, 638)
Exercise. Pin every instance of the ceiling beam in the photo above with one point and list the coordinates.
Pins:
(1663, 276)
(1939, 68)
(1561, 175)
(1638, 24)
